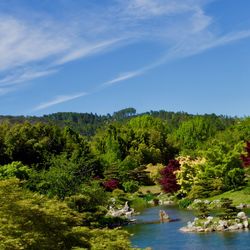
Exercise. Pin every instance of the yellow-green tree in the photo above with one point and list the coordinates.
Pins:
(32, 221)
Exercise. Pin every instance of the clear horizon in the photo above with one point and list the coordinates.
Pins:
(103, 56)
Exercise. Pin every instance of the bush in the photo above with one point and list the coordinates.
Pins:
(228, 210)
(184, 203)
(114, 239)
(149, 196)
(130, 186)
(199, 191)
(111, 184)
(139, 204)
(91, 198)
(112, 222)
(15, 169)
(203, 211)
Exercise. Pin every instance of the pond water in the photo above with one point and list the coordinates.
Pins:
(167, 236)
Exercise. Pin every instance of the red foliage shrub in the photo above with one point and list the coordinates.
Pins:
(111, 184)
(246, 157)
(168, 177)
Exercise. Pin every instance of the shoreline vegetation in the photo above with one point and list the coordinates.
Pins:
(216, 216)
(71, 180)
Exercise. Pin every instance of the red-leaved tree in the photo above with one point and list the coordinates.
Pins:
(246, 157)
(168, 178)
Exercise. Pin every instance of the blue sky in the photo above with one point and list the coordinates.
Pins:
(104, 55)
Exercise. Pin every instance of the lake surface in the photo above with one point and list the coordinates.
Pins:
(168, 236)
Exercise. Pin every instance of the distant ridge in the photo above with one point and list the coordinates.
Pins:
(88, 123)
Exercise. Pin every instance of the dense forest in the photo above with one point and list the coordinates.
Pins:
(60, 173)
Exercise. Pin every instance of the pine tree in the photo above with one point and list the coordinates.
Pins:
(228, 210)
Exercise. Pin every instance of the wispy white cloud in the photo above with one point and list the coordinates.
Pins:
(34, 43)
(153, 8)
(132, 74)
(22, 43)
(44, 45)
(88, 49)
(228, 38)
(194, 46)
(4, 91)
(25, 75)
(202, 42)
(123, 77)
(58, 100)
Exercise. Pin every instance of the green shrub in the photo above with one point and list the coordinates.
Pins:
(114, 239)
(120, 196)
(203, 211)
(89, 198)
(139, 204)
(184, 203)
(149, 197)
(130, 186)
(112, 222)
(228, 210)
(15, 169)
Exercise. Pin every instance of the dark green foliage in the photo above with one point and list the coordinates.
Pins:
(84, 123)
(130, 186)
(32, 144)
(149, 196)
(141, 176)
(139, 204)
(205, 187)
(89, 198)
(56, 160)
(92, 202)
(184, 203)
(15, 169)
(203, 211)
(228, 210)
(112, 222)
(124, 113)
(61, 179)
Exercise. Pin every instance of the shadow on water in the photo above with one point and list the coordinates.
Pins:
(149, 232)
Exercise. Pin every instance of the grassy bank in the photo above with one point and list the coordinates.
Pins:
(150, 189)
(238, 197)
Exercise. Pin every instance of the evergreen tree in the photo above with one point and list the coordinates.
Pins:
(228, 210)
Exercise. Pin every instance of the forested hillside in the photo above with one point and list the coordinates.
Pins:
(66, 169)
(88, 123)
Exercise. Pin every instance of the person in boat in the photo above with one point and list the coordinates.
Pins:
(164, 217)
